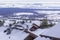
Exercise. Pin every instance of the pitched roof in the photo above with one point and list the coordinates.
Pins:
(41, 38)
(53, 32)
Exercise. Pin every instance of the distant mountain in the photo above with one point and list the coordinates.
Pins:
(10, 11)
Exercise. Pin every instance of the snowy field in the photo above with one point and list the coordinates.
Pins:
(15, 35)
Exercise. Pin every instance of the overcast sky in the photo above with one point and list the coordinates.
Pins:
(27, 1)
(46, 2)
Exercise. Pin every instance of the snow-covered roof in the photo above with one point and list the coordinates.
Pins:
(7, 22)
(18, 35)
(41, 38)
(39, 31)
(53, 32)
(29, 25)
(37, 22)
(15, 35)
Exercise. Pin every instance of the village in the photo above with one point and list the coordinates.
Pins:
(29, 22)
(29, 29)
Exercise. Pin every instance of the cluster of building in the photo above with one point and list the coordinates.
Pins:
(30, 30)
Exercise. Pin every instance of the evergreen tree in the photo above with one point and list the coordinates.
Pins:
(1, 22)
(44, 23)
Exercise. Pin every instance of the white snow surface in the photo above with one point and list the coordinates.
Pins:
(23, 13)
(20, 35)
(39, 31)
(41, 38)
(7, 22)
(37, 22)
(53, 32)
(15, 35)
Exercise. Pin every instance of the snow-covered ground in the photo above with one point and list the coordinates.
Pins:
(23, 14)
(15, 35)
(21, 35)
